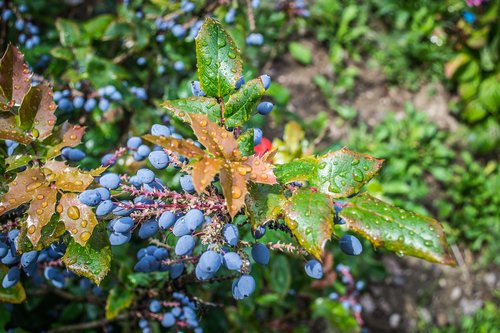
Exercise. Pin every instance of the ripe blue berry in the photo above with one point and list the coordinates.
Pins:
(11, 278)
(159, 159)
(119, 238)
(260, 254)
(103, 104)
(160, 130)
(255, 39)
(264, 108)
(78, 102)
(194, 218)
(166, 220)
(210, 261)
(350, 245)
(146, 176)
(314, 269)
(155, 306)
(231, 234)
(110, 180)
(123, 225)
(134, 142)
(104, 208)
(180, 228)
(239, 83)
(187, 183)
(89, 105)
(257, 136)
(259, 232)
(143, 151)
(168, 320)
(232, 261)
(90, 197)
(176, 270)
(243, 287)
(184, 245)
(148, 229)
(196, 89)
(266, 81)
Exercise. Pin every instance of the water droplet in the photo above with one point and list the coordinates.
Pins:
(203, 123)
(221, 42)
(292, 224)
(35, 133)
(333, 187)
(308, 230)
(322, 165)
(73, 213)
(84, 223)
(236, 192)
(31, 229)
(355, 161)
(428, 243)
(401, 238)
(59, 208)
(40, 197)
(72, 137)
(39, 211)
(74, 231)
(78, 183)
(357, 175)
(231, 55)
(33, 186)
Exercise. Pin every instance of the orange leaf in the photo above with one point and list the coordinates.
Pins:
(10, 131)
(45, 118)
(204, 172)
(71, 135)
(183, 147)
(216, 139)
(40, 212)
(262, 171)
(233, 182)
(14, 74)
(78, 218)
(21, 189)
(67, 178)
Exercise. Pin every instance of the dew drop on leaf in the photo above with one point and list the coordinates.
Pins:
(73, 213)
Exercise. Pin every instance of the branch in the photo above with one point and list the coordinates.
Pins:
(88, 325)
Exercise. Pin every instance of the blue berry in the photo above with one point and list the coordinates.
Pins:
(155, 306)
(350, 245)
(104, 208)
(260, 254)
(72, 154)
(230, 15)
(255, 39)
(11, 278)
(264, 108)
(178, 31)
(78, 102)
(180, 228)
(103, 104)
(176, 270)
(196, 88)
(119, 238)
(201, 274)
(148, 229)
(104, 193)
(187, 183)
(231, 234)
(184, 245)
(90, 197)
(141, 61)
(166, 220)
(89, 105)
(110, 180)
(257, 136)
(146, 176)
(239, 83)
(4, 248)
(243, 287)
(266, 81)
(122, 211)
(178, 66)
(210, 261)
(143, 151)
(160, 130)
(232, 261)
(168, 320)
(194, 218)
(123, 225)
(314, 269)
(134, 142)
(159, 159)
(259, 232)
(65, 105)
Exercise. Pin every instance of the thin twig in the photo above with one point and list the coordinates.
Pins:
(88, 325)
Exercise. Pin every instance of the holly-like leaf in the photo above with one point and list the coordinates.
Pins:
(204, 171)
(68, 136)
(36, 113)
(218, 59)
(261, 169)
(263, 203)
(234, 186)
(10, 131)
(241, 104)
(40, 212)
(67, 178)
(181, 108)
(79, 219)
(309, 216)
(119, 299)
(338, 174)
(245, 143)
(397, 230)
(14, 294)
(16, 161)
(91, 260)
(179, 146)
(216, 139)
(15, 77)
(22, 189)
(51, 233)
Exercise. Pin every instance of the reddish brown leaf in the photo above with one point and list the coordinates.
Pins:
(14, 75)
(204, 172)
(262, 171)
(67, 178)
(216, 139)
(10, 131)
(233, 182)
(70, 135)
(37, 111)
(78, 218)
(183, 147)
(21, 189)
(40, 212)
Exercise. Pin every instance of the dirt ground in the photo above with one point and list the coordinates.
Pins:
(415, 292)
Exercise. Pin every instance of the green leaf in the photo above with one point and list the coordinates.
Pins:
(338, 174)
(10, 131)
(241, 104)
(309, 216)
(343, 172)
(63, 53)
(489, 94)
(36, 113)
(245, 143)
(218, 59)
(263, 203)
(397, 230)
(50, 233)
(279, 274)
(69, 33)
(92, 260)
(340, 318)
(181, 108)
(14, 294)
(14, 75)
(300, 52)
(96, 27)
(16, 161)
(118, 300)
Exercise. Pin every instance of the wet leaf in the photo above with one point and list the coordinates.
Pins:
(309, 216)
(51, 233)
(179, 146)
(241, 104)
(67, 178)
(14, 294)
(92, 260)
(216, 139)
(119, 299)
(263, 203)
(218, 59)
(22, 189)
(40, 212)
(16, 161)
(234, 186)
(181, 108)
(261, 170)
(68, 136)
(36, 113)
(15, 77)
(204, 171)
(10, 131)
(397, 230)
(245, 143)
(297, 170)
(79, 219)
